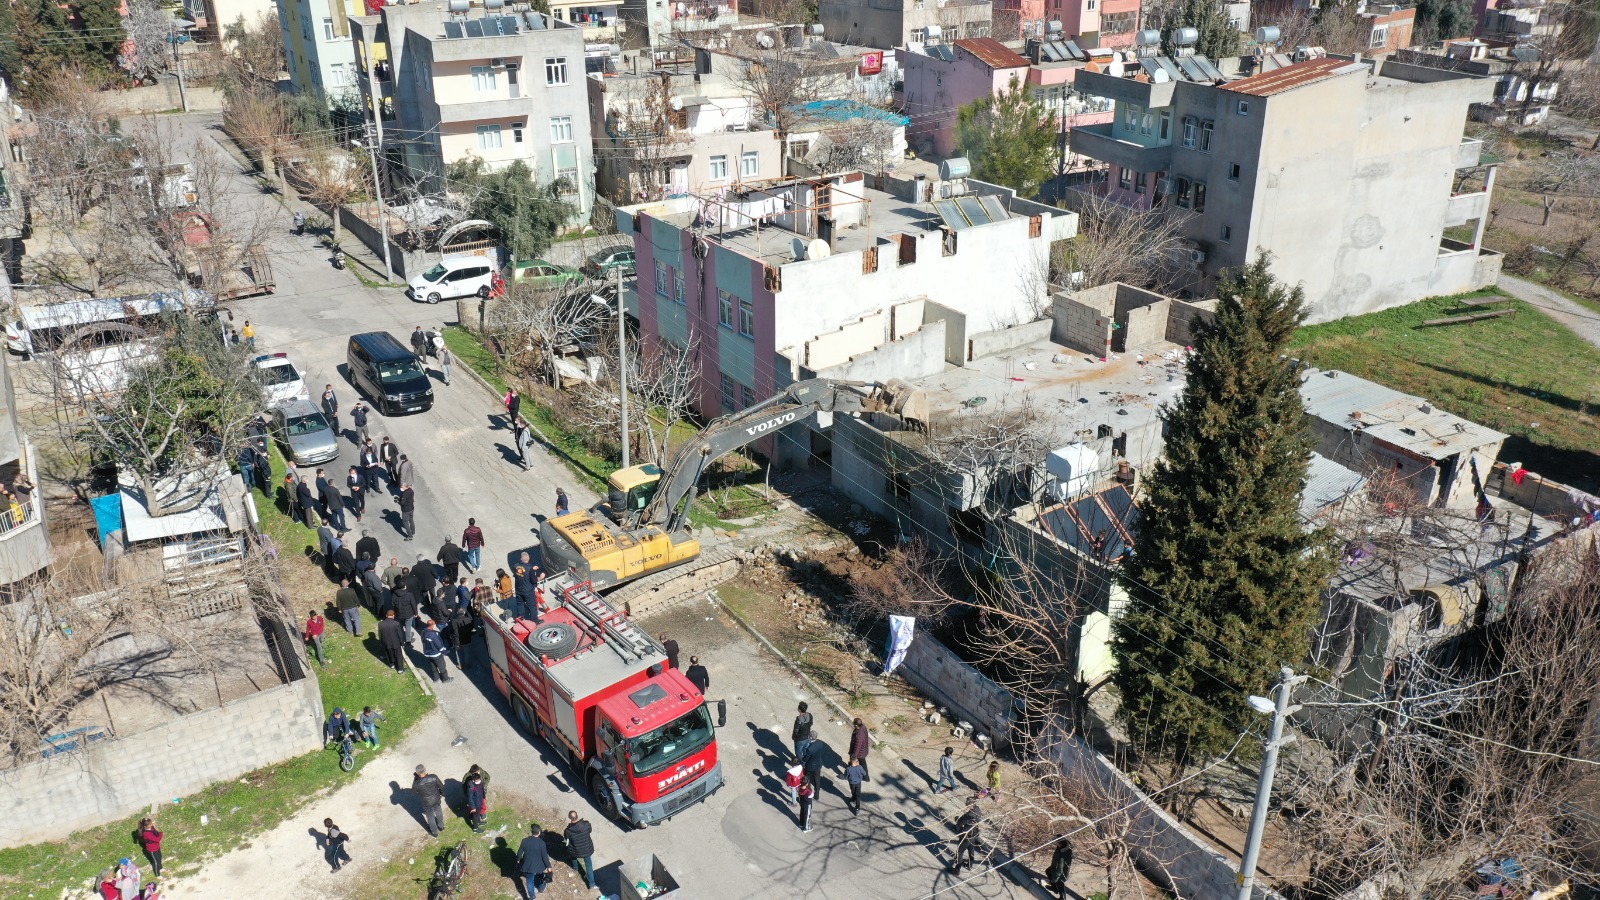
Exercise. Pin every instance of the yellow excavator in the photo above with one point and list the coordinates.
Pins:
(643, 526)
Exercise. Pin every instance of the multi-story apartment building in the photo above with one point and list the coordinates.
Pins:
(221, 15)
(1344, 170)
(487, 81)
(795, 278)
(655, 23)
(1517, 98)
(24, 538)
(316, 44)
(887, 24)
(1095, 23)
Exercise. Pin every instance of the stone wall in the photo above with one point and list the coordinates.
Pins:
(947, 680)
(115, 778)
(988, 343)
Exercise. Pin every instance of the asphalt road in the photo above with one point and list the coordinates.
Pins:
(741, 843)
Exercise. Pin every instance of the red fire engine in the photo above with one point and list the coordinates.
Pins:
(597, 689)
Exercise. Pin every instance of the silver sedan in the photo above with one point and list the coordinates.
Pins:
(303, 432)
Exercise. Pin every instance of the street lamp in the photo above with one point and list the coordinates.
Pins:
(377, 190)
(1278, 707)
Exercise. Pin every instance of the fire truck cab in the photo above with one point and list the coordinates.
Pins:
(597, 689)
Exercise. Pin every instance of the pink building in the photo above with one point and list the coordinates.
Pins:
(1096, 23)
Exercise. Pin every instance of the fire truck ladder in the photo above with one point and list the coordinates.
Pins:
(621, 635)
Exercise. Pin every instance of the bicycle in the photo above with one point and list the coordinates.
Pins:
(449, 873)
(347, 750)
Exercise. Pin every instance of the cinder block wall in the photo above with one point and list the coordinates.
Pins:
(112, 779)
(1079, 326)
(947, 680)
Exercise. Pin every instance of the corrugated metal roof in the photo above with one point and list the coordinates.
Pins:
(1290, 77)
(1106, 518)
(993, 53)
(1327, 482)
(1411, 423)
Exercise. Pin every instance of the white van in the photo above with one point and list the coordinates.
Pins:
(462, 276)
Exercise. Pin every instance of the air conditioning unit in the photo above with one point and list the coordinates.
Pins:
(498, 62)
(1197, 256)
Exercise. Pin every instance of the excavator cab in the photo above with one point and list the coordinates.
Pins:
(632, 489)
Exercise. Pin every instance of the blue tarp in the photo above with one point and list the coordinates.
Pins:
(107, 515)
(841, 111)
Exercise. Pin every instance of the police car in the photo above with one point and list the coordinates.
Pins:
(280, 380)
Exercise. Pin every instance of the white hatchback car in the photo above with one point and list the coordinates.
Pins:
(452, 278)
(280, 380)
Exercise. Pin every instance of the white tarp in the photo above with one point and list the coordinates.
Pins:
(901, 629)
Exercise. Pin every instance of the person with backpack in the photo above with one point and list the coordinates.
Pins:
(791, 780)
(801, 730)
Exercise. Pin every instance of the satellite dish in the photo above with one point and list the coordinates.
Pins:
(1160, 76)
(677, 103)
(764, 41)
(818, 249)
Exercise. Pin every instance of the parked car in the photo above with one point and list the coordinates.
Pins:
(280, 380)
(305, 435)
(602, 264)
(388, 373)
(543, 274)
(462, 276)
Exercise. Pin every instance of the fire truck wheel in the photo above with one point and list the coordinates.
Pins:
(602, 795)
(554, 639)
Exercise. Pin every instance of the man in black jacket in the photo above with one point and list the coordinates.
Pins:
(405, 608)
(408, 508)
(330, 408)
(427, 582)
(307, 502)
(450, 558)
(430, 790)
(698, 675)
(533, 861)
(580, 844)
(969, 843)
(389, 455)
(367, 547)
(393, 645)
(334, 503)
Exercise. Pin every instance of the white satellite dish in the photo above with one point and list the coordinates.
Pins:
(818, 249)
(764, 41)
(677, 103)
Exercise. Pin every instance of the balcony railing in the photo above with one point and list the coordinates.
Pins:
(16, 516)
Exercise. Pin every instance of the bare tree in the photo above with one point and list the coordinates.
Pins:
(261, 125)
(149, 29)
(253, 58)
(1580, 96)
(333, 179)
(666, 377)
(780, 79)
(649, 136)
(1144, 248)
(543, 323)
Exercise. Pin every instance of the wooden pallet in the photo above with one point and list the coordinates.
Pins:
(1457, 320)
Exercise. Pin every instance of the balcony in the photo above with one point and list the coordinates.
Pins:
(1096, 142)
(24, 539)
(1464, 208)
(1469, 153)
(1144, 93)
(480, 110)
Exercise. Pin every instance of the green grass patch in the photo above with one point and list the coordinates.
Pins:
(1523, 374)
(491, 856)
(238, 809)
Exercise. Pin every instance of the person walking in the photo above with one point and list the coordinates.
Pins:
(523, 436)
(371, 464)
(801, 730)
(671, 647)
(330, 407)
(263, 467)
(968, 842)
(533, 862)
(525, 594)
(430, 790)
(445, 361)
(313, 634)
(369, 721)
(389, 455)
(150, 840)
(406, 469)
(854, 774)
(472, 540)
(433, 649)
(248, 334)
(792, 777)
(513, 403)
(1060, 868)
(427, 581)
(947, 771)
(458, 634)
(562, 504)
(450, 558)
(580, 845)
(813, 758)
(993, 777)
(477, 802)
(697, 675)
(308, 504)
(357, 487)
(358, 418)
(336, 842)
(334, 504)
(349, 604)
(389, 638)
(408, 508)
(860, 744)
(807, 796)
(391, 575)
(404, 601)
(419, 342)
(367, 548)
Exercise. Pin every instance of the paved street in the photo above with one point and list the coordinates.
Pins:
(742, 843)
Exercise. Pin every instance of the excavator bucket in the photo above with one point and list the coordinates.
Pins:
(907, 402)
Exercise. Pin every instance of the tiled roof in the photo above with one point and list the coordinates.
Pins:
(993, 53)
(1292, 76)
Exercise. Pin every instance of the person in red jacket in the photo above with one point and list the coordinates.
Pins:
(150, 839)
(108, 885)
(314, 626)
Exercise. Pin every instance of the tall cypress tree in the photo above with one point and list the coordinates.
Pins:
(1218, 36)
(1224, 581)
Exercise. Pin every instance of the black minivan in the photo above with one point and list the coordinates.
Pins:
(388, 372)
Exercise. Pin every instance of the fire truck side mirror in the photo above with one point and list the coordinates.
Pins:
(722, 714)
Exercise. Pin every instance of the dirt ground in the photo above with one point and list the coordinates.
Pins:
(1562, 250)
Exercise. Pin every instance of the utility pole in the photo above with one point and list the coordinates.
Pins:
(1281, 710)
(383, 214)
(177, 58)
(622, 362)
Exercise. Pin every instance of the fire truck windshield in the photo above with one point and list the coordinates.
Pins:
(671, 743)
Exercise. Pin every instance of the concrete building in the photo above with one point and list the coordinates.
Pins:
(316, 43)
(220, 15)
(491, 83)
(655, 23)
(24, 537)
(887, 24)
(1500, 65)
(835, 276)
(1344, 170)
(1096, 23)
(598, 18)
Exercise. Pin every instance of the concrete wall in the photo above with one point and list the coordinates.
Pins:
(1163, 849)
(160, 97)
(1545, 497)
(1080, 325)
(988, 343)
(116, 778)
(1144, 325)
(915, 355)
(405, 264)
(1182, 316)
(836, 347)
(947, 680)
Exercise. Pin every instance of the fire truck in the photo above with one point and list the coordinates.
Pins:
(596, 688)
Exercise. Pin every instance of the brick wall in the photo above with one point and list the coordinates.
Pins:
(1080, 325)
(117, 778)
(945, 679)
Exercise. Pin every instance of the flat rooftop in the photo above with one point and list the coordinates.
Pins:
(1410, 423)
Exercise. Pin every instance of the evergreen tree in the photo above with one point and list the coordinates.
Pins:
(1010, 139)
(1224, 581)
(37, 46)
(100, 33)
(528, 214)
(1218, 36)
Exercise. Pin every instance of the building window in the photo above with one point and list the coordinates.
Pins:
(516, 133)
(1166, 126)
(661, 278)
(1180, 193)
(1145, 121)
(482, 79)
(1138, 182)
(1226, 234)
(750, 164)
(1244, 107)
(1199, 196)
(724, 309)
(555, 70)
(1233, 171)
(679, 292)
(719, 168)
(338, 75)
(1092, 4)
(747, 395)
(747, 318)
(730, 391)
(1125, 180)
(1206, 129)
(488, 137)
(567, 181)
(1191, 131)
(1380, 37)
(327, 30)
(560, 129)
(1130, 116)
